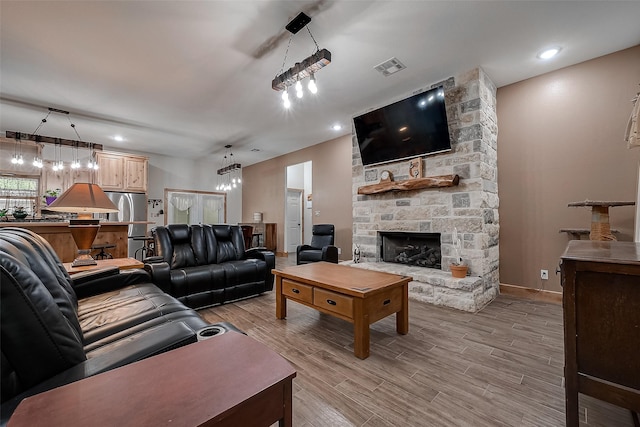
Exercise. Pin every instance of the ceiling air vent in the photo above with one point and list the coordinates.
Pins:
(390, 66)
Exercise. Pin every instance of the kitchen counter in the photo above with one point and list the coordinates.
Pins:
(59, 236)
(61, 223)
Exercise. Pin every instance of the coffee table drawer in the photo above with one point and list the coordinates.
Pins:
(338, 303)
(297, 291)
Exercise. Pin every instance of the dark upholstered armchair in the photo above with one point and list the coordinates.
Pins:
(321, 247)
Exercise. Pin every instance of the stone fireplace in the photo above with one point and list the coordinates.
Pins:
(471, 207)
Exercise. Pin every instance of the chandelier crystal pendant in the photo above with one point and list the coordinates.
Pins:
(229, 175)
(303, 69)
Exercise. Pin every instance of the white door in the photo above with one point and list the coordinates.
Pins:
(294, 219)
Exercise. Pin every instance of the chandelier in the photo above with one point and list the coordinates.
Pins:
(229, 175)
(301, 70)
(58, 164)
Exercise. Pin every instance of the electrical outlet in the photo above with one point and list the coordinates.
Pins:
(339, 251)
(544, 274)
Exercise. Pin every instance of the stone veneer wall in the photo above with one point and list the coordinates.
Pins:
(471, 207)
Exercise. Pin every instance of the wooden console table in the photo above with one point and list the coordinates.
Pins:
(601, 303)
(228, 380)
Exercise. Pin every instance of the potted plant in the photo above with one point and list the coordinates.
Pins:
(3, 214)
(458, 269)
(51, 195)
(19, 212)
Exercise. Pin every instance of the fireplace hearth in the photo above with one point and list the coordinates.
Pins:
(417, 249)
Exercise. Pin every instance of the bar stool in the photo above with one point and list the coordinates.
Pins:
(102, 254)
(147, 249)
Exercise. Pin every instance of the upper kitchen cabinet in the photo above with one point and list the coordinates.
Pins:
(122, 172)
(62, 179)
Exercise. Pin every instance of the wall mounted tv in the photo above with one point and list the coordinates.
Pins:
(415, 126)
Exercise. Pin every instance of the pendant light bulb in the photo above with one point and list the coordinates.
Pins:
(299, 92)
(14, 159)
(20, 159)
(312, 84)
(285, 98)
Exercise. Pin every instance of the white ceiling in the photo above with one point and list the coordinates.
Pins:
(184, 78)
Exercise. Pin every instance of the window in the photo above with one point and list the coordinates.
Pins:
(19, 191)
(195, 207)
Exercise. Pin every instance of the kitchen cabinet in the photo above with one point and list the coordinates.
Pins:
(122, 172)
(62, 179)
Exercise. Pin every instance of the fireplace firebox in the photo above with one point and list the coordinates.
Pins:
(419, 249)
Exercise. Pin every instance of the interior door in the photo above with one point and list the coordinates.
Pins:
(294, 219)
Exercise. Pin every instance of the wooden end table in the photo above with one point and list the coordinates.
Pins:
(121, 263)
(228, 380)
(359, 296)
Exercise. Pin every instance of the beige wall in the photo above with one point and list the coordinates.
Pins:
(263, 189)
(560, 140)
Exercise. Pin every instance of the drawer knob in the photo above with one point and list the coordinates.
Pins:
(331, 302)
(295, 291)
(386, 302)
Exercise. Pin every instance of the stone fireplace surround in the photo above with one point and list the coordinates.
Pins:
(471, 207)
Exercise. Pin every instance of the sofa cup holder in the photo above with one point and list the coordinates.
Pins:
(210, 332)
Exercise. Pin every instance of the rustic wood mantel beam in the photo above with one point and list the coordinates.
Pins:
(411, 184)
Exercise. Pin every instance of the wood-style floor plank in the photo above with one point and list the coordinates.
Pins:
(502, 366)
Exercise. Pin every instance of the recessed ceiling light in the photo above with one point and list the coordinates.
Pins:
(336, 127)
(118, 138)
(549, 53)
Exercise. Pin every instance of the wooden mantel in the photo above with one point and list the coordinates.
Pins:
(411, 184)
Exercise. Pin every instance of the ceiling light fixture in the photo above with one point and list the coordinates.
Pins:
(57, 142)
(301, 70)
(549, 53)
(229, 174)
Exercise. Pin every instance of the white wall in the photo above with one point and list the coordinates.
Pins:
(186, 174)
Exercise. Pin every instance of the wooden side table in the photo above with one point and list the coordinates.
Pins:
(121, 263)
(228, 380)
(600, 228)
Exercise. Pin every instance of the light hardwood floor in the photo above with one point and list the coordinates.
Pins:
(502, 366)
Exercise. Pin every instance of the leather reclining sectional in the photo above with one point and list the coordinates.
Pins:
(57, 329)
(204, 265)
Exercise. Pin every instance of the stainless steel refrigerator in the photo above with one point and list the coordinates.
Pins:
(132, 207)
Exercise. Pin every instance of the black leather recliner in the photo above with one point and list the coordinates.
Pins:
(58, 329)
(204, 265)
(321, 247)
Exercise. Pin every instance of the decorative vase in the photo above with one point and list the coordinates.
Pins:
(49, 199)
(459, 271)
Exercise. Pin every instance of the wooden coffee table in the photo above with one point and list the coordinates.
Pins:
(359, 296)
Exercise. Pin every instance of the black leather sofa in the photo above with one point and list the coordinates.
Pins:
(56, 328)
(204, 265)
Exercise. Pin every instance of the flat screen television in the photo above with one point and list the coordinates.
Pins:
(415, 126)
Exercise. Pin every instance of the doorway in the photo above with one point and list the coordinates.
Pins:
(298, 199)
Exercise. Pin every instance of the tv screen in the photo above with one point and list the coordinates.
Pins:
(413, 127)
